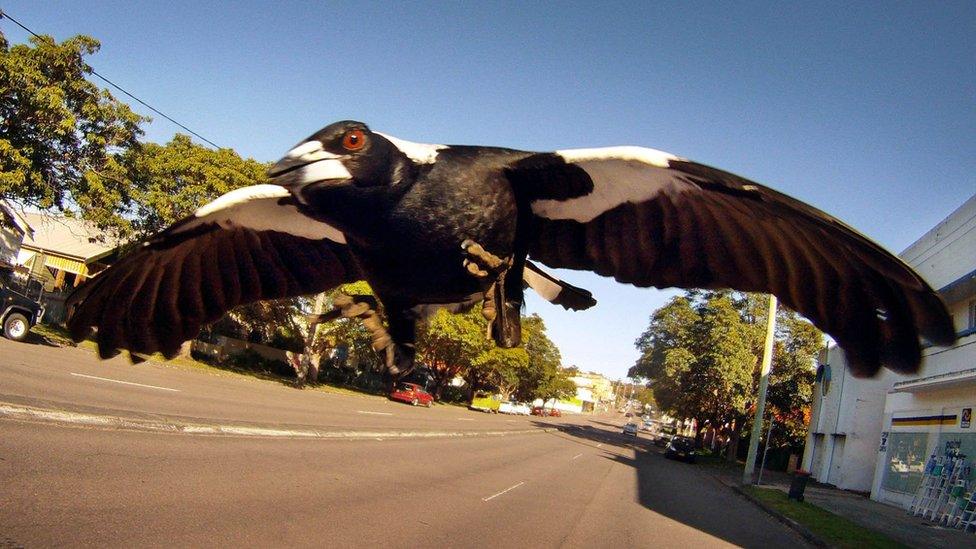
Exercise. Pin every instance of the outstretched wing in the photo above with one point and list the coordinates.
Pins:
(648, 218)
(248, 245)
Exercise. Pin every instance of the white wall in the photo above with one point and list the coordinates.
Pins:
(849, 415)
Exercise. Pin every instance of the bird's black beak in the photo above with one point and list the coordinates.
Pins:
(309, 163)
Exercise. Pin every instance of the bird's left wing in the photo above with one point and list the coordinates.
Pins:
(649, 218)
(251, 244)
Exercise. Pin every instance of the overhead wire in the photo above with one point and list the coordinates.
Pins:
(4, 14)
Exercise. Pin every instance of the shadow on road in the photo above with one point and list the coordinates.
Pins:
(683, 492)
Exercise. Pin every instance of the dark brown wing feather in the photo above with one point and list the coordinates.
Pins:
(160, 295)
(711, 229)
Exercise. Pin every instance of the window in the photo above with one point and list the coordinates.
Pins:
(972, 314)
(966, 442)
(905, 462)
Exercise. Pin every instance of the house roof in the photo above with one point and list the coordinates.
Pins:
(67, 236)
(12, 216)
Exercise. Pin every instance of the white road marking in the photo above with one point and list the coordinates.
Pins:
(510, 488)
(374, 413)
(465, 419)
(27, 413)
(577, 455)
(598, 445)
(126, 382)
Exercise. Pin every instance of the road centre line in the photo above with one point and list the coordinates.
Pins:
(374, 413)
(126, 382)
(510, 488)
(465, 419)
(577, 455)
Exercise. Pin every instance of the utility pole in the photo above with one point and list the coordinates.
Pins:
(767, 360)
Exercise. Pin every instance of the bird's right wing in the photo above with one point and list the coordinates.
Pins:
(648, 218)
(249, 245)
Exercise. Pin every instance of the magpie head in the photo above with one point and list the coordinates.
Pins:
(343, 154)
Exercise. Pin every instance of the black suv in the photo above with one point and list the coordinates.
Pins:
(17, 311)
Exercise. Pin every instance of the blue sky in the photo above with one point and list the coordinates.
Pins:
(865, 110)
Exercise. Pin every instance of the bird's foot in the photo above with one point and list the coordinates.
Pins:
(481, 263)
(363, 307)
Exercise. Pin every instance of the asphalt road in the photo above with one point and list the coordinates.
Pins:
(568, 482)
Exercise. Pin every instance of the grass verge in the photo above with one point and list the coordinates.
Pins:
(58, 336)
(836, 530)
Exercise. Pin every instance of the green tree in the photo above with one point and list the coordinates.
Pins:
(170, 181)
(555, 384)
(448, 343)
(59, 132)
(543, 357)
(701, 354)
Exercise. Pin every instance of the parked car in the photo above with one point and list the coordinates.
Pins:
(514, 408)
(411, 393)
(664, 435)
(631, 429)
(543, 411)
(484, 402)
(18, 312)
(680, 447)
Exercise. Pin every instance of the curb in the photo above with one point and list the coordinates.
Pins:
(62, 417)
(804, 532)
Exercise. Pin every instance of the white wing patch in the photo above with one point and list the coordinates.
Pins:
(422, 153)
(620, 175)
(258, 208)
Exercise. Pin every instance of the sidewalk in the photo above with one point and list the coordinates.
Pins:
(893, 522)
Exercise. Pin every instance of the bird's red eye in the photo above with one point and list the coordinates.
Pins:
(353, 140)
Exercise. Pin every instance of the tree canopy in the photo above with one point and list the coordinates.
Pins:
(700, 354)
(59, 131)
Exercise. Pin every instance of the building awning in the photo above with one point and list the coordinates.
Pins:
(963, 287)
(941, 381)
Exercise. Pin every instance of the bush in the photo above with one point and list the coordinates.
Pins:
(253, 362)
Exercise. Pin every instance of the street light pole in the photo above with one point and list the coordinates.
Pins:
(767, 360)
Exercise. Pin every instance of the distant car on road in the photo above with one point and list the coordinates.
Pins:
(682, 448)
(411, 393)
(631, 429)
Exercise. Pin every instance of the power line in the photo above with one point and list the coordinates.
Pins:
(120, 88)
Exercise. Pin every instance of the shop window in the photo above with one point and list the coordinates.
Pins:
(905, 462)
(966, 442)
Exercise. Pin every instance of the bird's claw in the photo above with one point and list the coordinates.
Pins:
(482, 263)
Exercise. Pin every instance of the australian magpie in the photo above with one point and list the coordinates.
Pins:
(436, 225)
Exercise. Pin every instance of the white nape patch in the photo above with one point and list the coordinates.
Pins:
(307, 152)
(620, 175)
(422, 153)
(257, 208)
(547, 289)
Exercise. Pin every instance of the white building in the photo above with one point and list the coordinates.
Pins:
(875, 434)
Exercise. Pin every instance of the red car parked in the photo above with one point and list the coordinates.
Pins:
(546, 412)
(411, 393)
